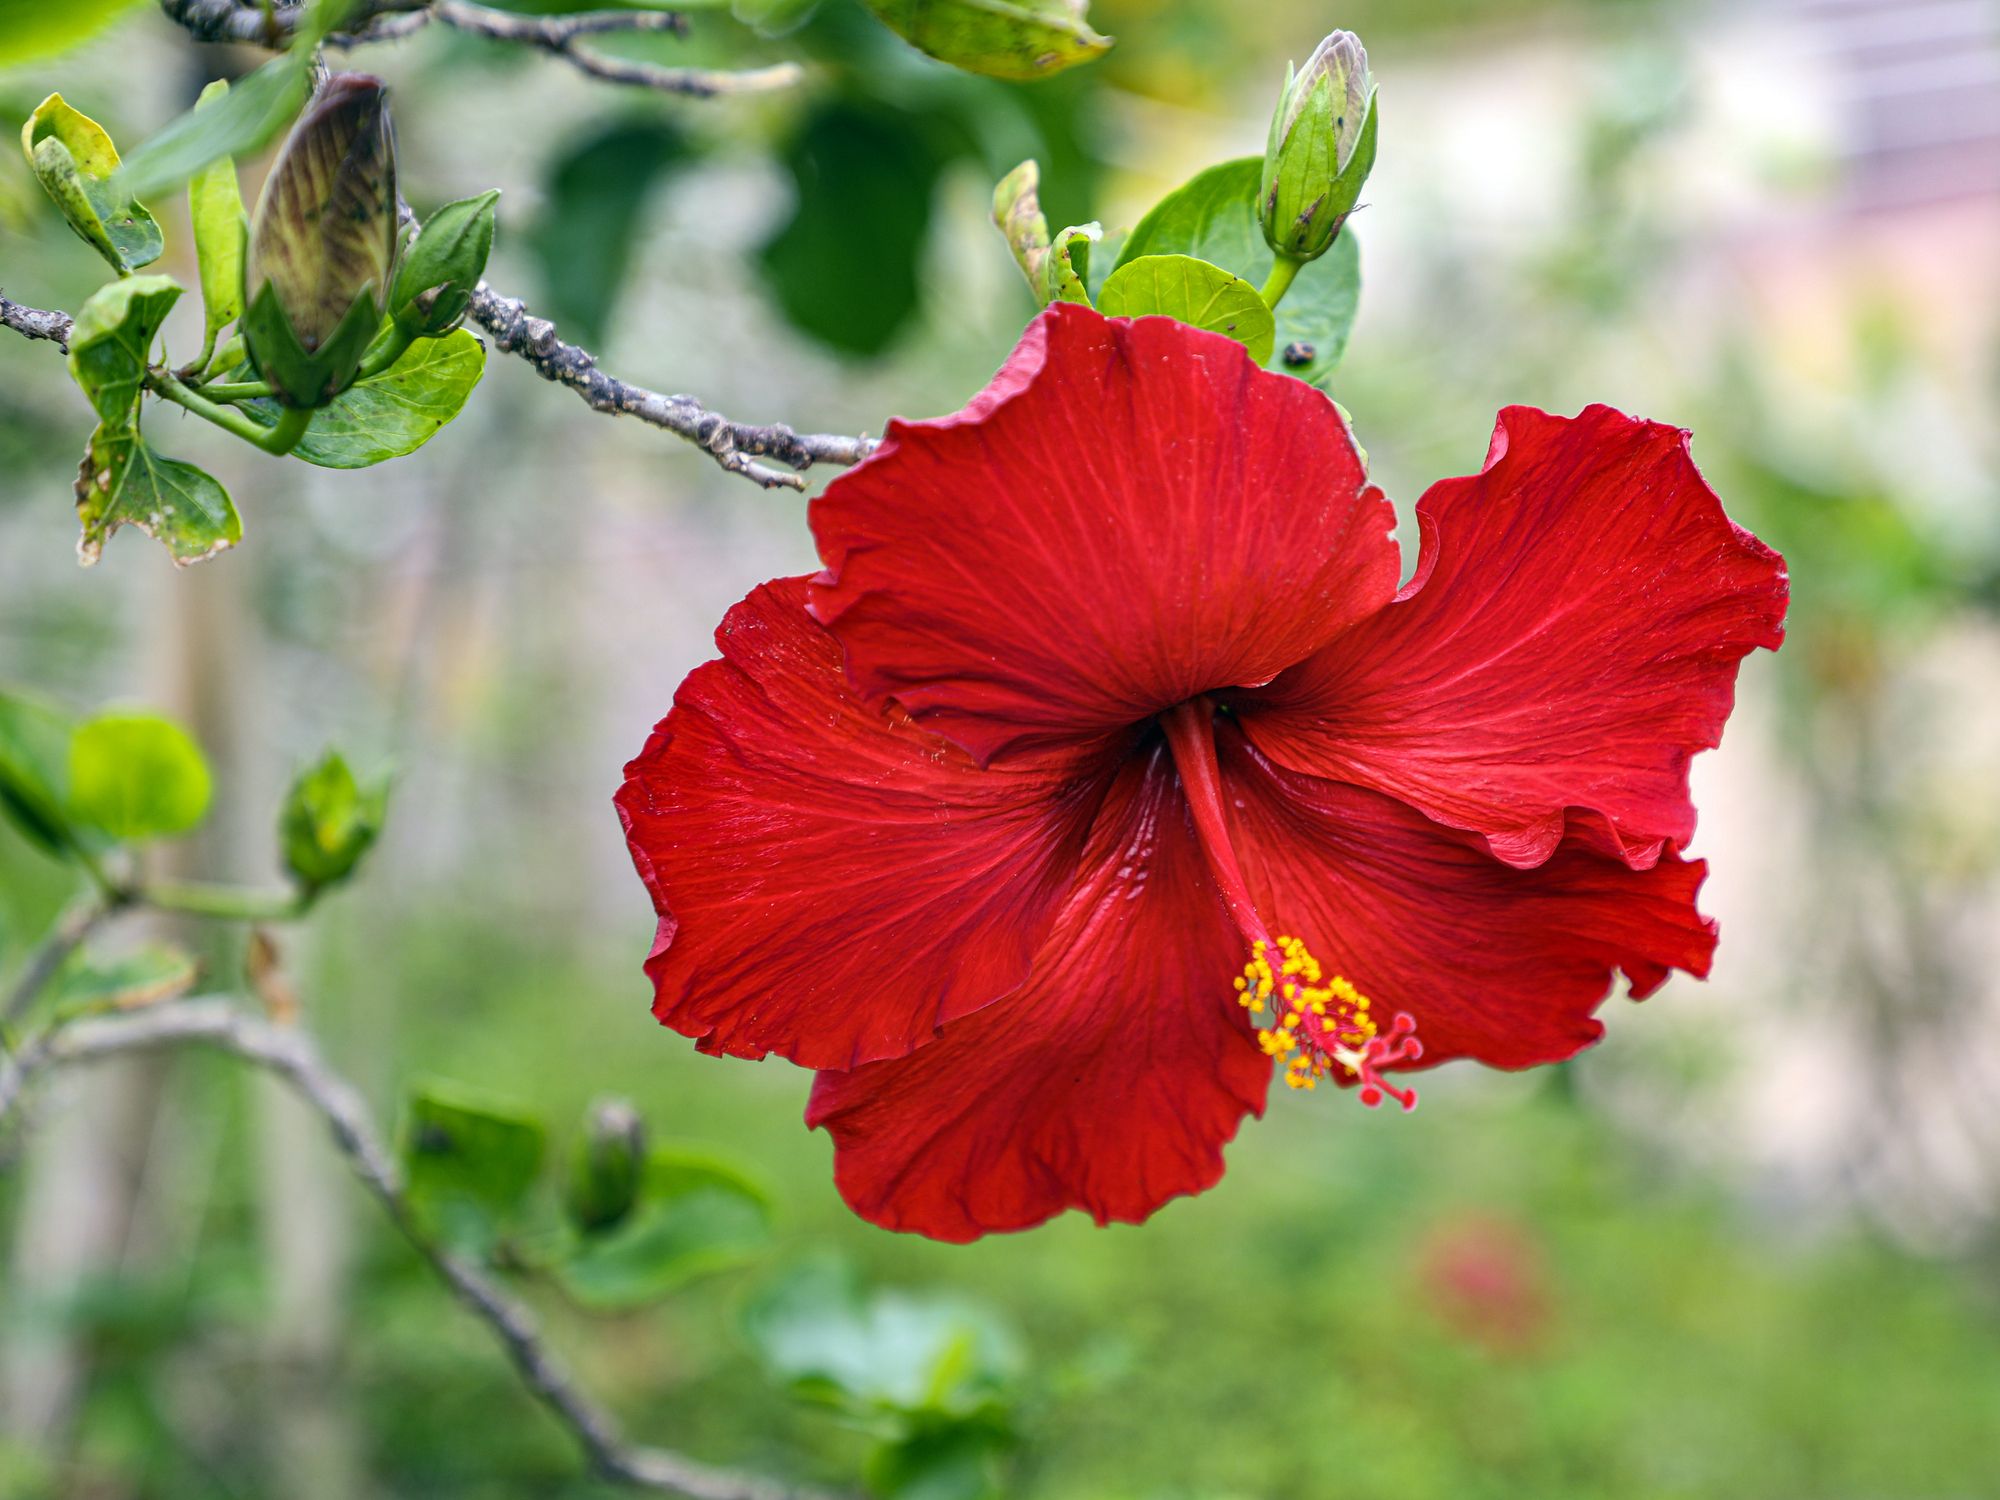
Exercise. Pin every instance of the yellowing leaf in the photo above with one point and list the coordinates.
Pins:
(215, 207)
(123, 482)
(76, 163)
(1016, 39)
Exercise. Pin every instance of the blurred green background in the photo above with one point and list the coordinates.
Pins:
(1750, 1246)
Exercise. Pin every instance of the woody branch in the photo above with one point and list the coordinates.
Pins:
(736, 446)
(560, 36)
(290, 1054)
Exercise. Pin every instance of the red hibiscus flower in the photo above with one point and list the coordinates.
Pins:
(1105, 766)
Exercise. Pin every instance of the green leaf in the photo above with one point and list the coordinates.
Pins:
(215, 206)
(145, 976)
(844, 268)
(76, 164)
(469, 1166)
(255, 109)
(693, 1215)
(329, 820)
(1194, 291)
(584, 238)
(396, 412)
(957, 1461)
(1015, 39)
(441, 267)
(123, 482)
(890, 1353)
(112, 342)
(136, 776)
(34, 768)
(1214, 218)
(31, 29)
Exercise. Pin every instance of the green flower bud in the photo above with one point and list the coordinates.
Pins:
(605, 1165)
(1321, 149)
(323, 244)
(442, 267)
(328, 822)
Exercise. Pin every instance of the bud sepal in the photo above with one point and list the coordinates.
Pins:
(299, 377)
(441, 267)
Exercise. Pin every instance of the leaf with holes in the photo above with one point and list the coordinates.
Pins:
(123, 482)
(1179, 286)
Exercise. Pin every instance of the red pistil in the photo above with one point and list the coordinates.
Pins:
(1318, 1026)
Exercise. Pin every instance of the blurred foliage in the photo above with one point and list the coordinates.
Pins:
(585, 237)
(32, 29)
(844, 266)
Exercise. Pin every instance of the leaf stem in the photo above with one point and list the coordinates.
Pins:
(237, 390)
(224, 903)
(1283, 269)
(195, 367)
(385, 354)
(278, 440)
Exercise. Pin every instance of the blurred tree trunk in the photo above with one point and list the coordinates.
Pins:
(90, 1207)
(306, 1418)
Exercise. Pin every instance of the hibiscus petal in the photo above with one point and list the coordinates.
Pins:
(1570, 641)
(1131, 514)
(1109, 1082)
(834, 883)
(1497, 963)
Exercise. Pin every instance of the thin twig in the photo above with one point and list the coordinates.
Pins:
(32, 322)
(558, 35)
(289, 1053)
(260, 26)
(69, 934)
(561, 35)
(734, 445)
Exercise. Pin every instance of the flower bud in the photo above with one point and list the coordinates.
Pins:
(323, 244)
(1321, 149)
(606, 1165)
(328, 822)
(442, 266)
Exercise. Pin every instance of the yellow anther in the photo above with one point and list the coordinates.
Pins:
(1341, 1025)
